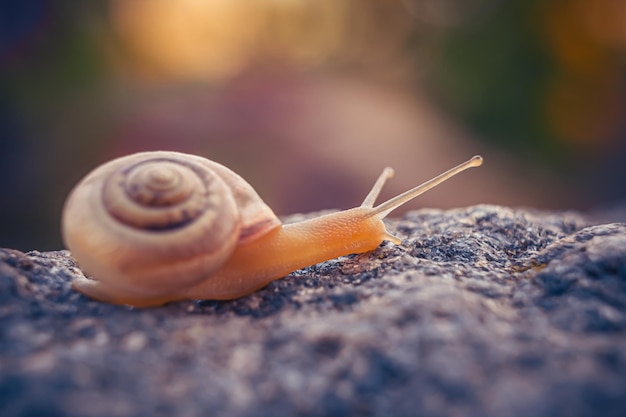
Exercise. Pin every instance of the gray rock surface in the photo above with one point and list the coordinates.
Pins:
(483, 311)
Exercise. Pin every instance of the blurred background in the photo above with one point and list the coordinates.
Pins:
(309, 100)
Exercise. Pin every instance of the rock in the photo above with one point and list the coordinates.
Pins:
(483, 311)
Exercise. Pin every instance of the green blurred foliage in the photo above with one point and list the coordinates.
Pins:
(492, 74)
(544, 79)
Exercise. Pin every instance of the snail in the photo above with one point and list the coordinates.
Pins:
(156, 227)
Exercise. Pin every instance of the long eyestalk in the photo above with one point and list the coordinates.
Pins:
(383, 209)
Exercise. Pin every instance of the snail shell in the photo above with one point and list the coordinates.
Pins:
(152, 223)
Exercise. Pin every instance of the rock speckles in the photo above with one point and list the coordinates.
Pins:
(484, 311)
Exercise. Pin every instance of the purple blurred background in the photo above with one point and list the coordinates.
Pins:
(310, 100)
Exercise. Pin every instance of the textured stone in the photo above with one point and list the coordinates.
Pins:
(483, 311)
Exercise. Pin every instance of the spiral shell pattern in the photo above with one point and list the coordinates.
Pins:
(158, 194)
(154, 222)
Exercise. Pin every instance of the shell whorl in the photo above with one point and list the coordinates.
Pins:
(158, 194)
(158, 221)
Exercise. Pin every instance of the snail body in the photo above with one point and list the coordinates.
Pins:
(156, 227)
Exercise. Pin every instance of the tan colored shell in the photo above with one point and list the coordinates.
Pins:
(154, 222)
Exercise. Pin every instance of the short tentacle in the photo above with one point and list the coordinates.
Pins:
(378, 186)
